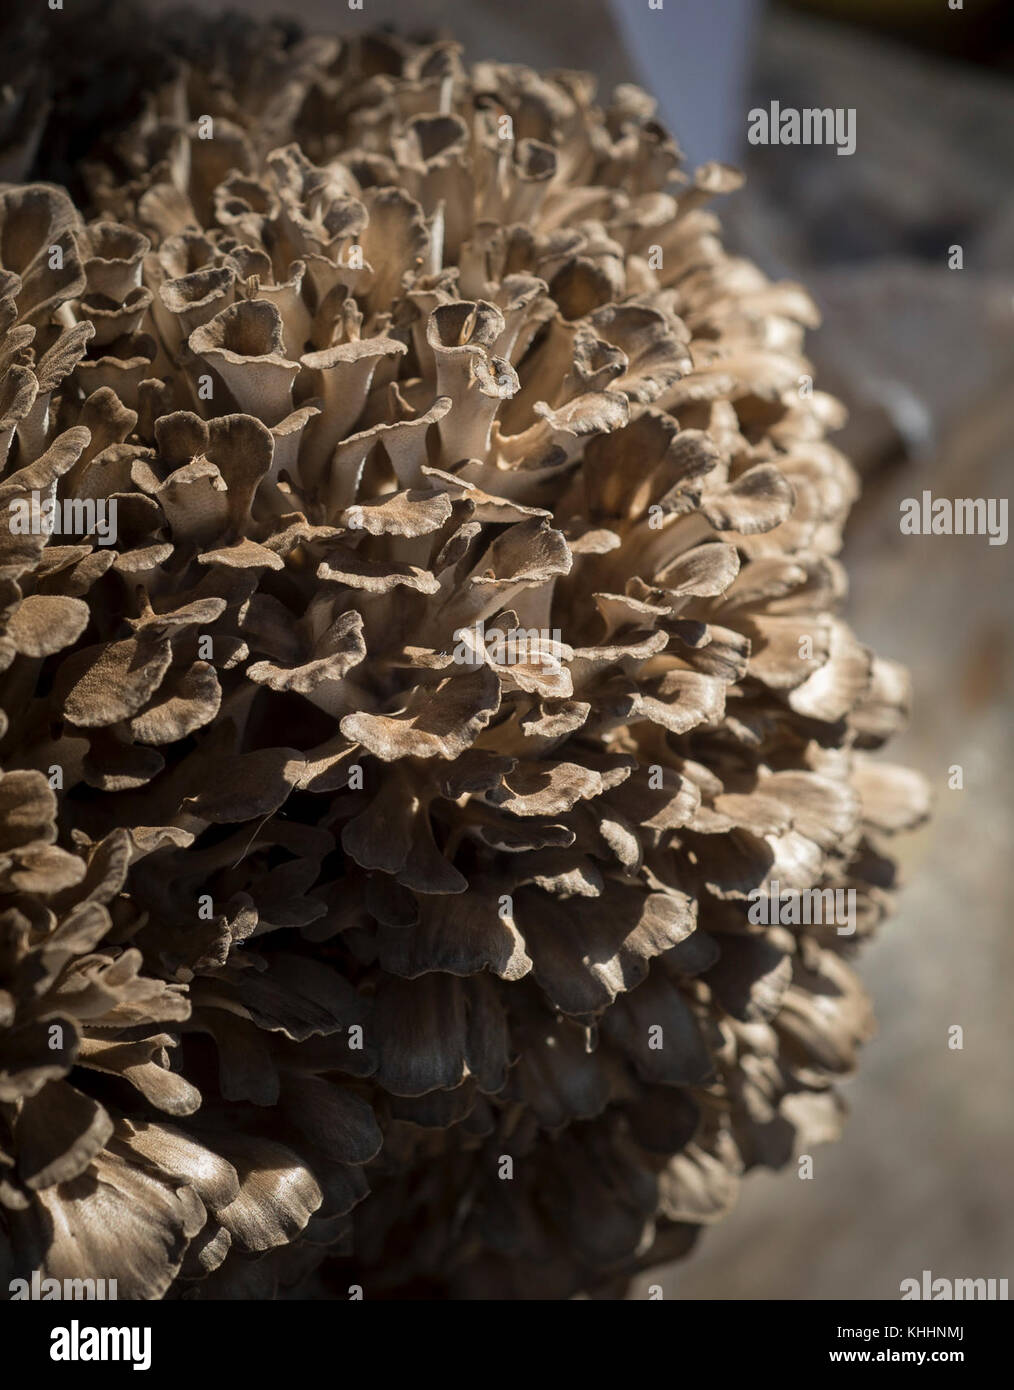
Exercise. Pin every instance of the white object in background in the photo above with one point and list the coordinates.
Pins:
(694, 56)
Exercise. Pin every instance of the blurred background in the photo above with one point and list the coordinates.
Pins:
(923, 356)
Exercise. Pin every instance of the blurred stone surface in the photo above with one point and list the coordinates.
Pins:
(907, 342)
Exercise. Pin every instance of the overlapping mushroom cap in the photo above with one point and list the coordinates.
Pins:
(378, 953)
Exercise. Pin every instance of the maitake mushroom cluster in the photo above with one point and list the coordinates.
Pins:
(330, 956)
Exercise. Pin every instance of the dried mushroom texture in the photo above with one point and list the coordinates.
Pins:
(440, 650)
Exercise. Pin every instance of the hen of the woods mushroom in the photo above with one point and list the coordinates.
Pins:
(331, 954)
